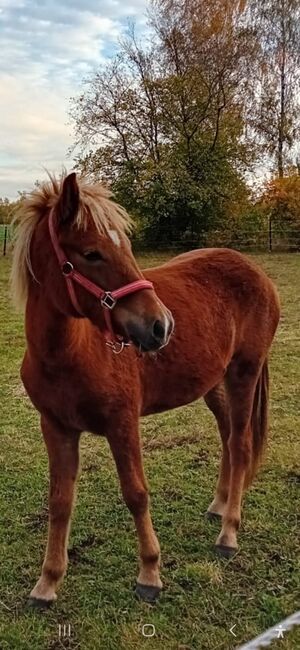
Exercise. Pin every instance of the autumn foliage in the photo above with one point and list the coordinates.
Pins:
(280, 201)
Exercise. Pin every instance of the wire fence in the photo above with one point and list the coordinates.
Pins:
(262, 241)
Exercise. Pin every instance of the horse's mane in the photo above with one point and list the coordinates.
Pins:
(95, 203)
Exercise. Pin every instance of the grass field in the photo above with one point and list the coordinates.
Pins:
(204, 595)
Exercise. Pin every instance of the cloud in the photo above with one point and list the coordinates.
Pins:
(49, 47)
(34, 131)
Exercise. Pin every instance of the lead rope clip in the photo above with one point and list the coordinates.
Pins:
(117, 346)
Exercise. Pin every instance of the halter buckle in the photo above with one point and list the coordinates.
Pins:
(108, 300)
(117, 346)
(67, 268)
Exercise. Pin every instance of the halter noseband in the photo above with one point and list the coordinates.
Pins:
(108, 299)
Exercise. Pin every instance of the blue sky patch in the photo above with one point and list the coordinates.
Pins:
(48, 47)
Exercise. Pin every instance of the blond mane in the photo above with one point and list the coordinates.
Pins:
(95, 203)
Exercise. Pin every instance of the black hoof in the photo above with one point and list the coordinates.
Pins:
(147, 593)
(225, 551)
(39, 603)
(213, 516)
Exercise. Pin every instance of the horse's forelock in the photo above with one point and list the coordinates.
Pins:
(95, 203)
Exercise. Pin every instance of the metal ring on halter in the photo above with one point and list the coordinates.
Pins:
(117, 346)
(108, 300)
(67, 268)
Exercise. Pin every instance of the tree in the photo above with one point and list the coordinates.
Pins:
(163, 122)
(274, 115)
(6, 210)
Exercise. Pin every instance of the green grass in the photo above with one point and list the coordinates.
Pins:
(203, 595)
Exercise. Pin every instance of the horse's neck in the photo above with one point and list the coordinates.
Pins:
(51, 336)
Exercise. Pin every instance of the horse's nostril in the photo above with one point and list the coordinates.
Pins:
(158, 330)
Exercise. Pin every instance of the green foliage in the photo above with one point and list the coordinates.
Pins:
(169, 121)
(184, 205)
(247, 230)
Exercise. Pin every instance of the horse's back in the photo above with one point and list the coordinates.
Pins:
(223, 271)
(219, 286)
(216, 260)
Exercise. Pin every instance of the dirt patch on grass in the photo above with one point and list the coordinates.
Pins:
(293, 477)
(76, 553)
(169, 442)
(37, 520)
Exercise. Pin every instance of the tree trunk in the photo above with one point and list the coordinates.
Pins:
(281, 134)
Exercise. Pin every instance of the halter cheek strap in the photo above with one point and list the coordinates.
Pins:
(108, 299)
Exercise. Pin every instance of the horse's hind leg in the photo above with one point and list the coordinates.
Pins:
(217, 403)
(241, 381)
(125, 445)
(63, 452)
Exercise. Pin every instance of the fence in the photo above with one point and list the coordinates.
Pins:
(265, 240)
(6, 233)
(268, 239)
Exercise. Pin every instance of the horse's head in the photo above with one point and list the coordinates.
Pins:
(101, 252)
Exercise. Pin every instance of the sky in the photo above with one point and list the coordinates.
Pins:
(47, 48)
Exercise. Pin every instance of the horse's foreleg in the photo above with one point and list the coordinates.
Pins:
(126, 450)
(63, 452)
(241, 381)
(217, 403)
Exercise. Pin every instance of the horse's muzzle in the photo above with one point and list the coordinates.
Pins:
(153, 336)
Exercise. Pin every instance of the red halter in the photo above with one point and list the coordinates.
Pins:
(108, 299)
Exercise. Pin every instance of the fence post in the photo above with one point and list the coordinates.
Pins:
(270, 235)
(5, 240)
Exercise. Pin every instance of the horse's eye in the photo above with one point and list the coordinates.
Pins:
(93, 256)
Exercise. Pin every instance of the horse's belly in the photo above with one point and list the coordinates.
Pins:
(170, 402)
(171, 394)
(180, 376)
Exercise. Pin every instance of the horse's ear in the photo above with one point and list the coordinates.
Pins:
(68, 202)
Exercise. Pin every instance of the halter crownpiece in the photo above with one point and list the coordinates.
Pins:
(108, 299)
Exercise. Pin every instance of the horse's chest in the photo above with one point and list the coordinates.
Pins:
(76, 401)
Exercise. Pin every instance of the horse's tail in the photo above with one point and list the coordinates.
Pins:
(259, 420)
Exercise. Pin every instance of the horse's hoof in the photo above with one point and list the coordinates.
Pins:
(213, 516)
(39, 603)
(147, 593)
(225, 551)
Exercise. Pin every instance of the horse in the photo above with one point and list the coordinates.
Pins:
(105, 340)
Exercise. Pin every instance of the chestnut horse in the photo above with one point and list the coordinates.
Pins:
(86, 299)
